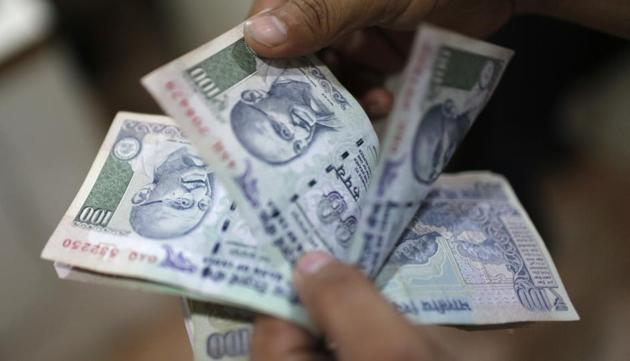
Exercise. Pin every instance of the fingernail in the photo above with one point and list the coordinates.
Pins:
(312, 262)
(267, 30)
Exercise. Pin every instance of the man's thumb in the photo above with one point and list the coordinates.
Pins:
(300, 27)
(350, 312)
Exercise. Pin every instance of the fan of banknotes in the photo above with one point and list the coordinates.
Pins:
(264, 160)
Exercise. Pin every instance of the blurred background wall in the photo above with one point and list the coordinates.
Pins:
(66, 67)
(558, 128)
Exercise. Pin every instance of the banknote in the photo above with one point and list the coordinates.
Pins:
(471, 256)
(245, 113)
(217, 332)
(446, 83)
(73, 273)
(281, 162)
(217, 259)
(292, 146)
(151, 209)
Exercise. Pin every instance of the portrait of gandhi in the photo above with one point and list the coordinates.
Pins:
(415, 248)
(444, 126)
(177, 200)
(279, 124)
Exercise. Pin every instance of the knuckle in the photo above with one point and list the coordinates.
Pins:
(318, 15)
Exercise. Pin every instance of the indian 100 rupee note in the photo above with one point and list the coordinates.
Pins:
(286, 142)
(218, 332)
(447, 82)
(151, 209)
(298, 154)
(488, 246)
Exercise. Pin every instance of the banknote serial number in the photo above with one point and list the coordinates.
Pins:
(97, 249)
(108, 251)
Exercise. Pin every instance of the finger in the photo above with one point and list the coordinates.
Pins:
(299, 27)
(332, 60)
(372, 48)
(402, 41)
(351, 313)
(359, 79)
(377, 102)
(260, 5)
(368, 88)
(277, 340)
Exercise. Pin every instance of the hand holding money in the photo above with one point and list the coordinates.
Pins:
(363, 41)
(352, 315)
(284, 161)
(271, 159)
(285, 28)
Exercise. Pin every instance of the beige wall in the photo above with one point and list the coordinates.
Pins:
(50, 130)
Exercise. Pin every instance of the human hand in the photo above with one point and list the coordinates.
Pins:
(351, 314)
(365, 40)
